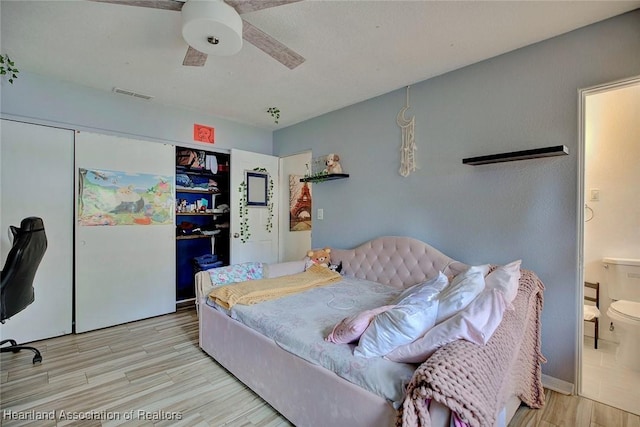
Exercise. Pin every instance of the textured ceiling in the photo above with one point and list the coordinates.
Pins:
(354, 50)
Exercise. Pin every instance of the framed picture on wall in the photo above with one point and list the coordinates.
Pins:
(257, 188)
(300, 204)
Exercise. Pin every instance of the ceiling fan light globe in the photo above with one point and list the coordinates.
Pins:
(206, 19)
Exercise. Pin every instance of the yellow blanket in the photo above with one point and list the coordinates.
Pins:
(255, 291)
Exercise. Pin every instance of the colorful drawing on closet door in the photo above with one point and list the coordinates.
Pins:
(121, 198)
(300, 204)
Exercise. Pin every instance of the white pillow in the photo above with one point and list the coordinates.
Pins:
(414, 313)
(396, 327)
(462, 290)
(505, 279)
(476, 323)
(284, 268)
(424, 291)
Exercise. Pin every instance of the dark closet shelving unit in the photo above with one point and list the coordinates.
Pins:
(189, 246)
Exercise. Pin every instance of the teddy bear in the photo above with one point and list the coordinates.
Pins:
(333, 164)
(320, 257)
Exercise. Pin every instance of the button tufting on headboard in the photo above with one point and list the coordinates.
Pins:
(396, 261)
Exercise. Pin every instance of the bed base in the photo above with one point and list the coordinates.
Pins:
(306, 394)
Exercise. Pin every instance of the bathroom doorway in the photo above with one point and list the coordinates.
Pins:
(609, 176)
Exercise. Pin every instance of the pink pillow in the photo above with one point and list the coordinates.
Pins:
(476, 323)
(463, 289)
(505, 278)
(351, 328)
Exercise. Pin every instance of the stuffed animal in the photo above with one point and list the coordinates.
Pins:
(333, 164)
(336, 268)
(320, 257)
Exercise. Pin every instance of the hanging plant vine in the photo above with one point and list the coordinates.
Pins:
(275, 114)
(8, 68)
(244, 213)
(244, 207)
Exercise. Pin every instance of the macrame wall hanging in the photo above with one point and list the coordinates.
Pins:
(408, 148)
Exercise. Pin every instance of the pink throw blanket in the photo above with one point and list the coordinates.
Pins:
(475, 381)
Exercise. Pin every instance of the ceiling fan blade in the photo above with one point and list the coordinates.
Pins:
(250, 33)
(194, 58)
(246, 6)
(270, 46)
(153, 4)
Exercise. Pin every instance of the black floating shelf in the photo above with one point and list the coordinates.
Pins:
(556, 150)
(322, 178)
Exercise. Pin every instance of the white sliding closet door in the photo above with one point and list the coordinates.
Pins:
(123, 272)
(37, 180)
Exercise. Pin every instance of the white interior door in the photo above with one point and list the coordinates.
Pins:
(254, 236)
(124, 272)
(295, 240)
(37, 180)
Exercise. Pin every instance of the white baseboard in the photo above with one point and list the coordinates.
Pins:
(558, 385)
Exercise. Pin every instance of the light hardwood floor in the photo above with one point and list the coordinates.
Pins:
(154, 368)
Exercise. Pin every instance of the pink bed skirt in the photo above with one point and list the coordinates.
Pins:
(306, 394)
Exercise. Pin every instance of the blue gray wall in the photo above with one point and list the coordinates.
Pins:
(43, 100)
(525, 99)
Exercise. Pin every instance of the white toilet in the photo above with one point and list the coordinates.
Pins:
(623, 282)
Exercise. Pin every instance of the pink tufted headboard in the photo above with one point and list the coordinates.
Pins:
(396, 261)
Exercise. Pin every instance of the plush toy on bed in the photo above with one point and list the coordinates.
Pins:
(322, 257)
(336, 268)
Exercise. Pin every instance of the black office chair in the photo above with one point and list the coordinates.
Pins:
(29, 245)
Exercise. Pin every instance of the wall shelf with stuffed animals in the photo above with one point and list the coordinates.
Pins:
(324, 177)
(324, 168)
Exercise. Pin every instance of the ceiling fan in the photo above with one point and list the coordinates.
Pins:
(214, 27)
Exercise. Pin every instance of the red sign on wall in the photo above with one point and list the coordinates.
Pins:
(203, 133)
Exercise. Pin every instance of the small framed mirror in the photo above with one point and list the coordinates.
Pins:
(257, 188)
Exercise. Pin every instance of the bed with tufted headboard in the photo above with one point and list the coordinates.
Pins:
(312, 382)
